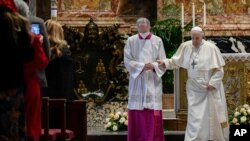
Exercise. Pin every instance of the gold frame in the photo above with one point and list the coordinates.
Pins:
(79, 13)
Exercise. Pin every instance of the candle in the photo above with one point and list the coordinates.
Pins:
(193, 15)
(53, 9)
(204, 15)
(182, 15)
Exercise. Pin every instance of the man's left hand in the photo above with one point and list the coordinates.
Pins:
(210, 88)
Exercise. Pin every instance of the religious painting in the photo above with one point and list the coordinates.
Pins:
(79, 11)
(216, 12)
(105, 11)
(86, 5)
(214, 6)
(145, 8)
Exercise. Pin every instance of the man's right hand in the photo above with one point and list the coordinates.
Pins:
(148, 66)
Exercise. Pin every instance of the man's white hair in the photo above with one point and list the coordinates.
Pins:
(22, 8)
(196, 29)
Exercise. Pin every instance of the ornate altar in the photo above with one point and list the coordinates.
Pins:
(100, 76)
(236, 83)
(99, 71)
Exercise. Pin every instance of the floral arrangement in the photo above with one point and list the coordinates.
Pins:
(241, 115)
(117, 121)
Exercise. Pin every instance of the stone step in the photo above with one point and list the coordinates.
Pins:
(99, 134)
(168, 113)
(174, 124)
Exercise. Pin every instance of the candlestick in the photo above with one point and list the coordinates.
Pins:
(193, 15)
(182, 34)
(204, 15)
(54, 9)
(182, 15)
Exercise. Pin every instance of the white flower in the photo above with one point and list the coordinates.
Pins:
(248, 111)
(246, 106)
(245, 113)
(113, 120)
(111, 115)
(243, 119)
(116, 116)
(126, 122)
(236, 114)
(115, 128)
(125, 114)
(109, 124)
(235, 120)
(122, 120)
(107, 119)
(242, 110)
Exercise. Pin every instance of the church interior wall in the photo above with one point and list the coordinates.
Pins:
(227, 24)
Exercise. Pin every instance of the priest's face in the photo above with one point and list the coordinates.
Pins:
(143, 27)
(196, 38)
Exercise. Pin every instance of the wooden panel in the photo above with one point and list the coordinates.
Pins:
(183, 97)
(77, 119)
(175, 124)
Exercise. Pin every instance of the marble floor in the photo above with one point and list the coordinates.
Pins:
(100, 134)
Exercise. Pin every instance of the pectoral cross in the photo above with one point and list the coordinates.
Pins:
(193, 64)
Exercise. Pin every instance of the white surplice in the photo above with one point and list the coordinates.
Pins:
(145, 87)
(207, 110)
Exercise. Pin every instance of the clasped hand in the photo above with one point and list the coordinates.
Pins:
(210, 88)
(148, 66)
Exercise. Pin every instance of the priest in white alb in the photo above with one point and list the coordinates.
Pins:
(207, 108)
(145, 85)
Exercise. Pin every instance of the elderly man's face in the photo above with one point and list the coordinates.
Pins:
(143, 27)
(196, 38)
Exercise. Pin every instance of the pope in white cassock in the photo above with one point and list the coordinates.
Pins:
(207, 108)
(145, 85)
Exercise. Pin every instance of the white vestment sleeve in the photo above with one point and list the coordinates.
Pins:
(169, 64)
(217, 77)
(177, 60)
(158, 69)
(134, 68)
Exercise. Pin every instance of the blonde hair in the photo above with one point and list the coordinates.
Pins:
(56, 38)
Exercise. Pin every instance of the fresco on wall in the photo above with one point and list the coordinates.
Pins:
(120, 10)
(145, 8)
(87, 5)
(214, 6)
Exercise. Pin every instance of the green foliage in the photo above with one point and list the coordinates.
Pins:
(170, 32)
